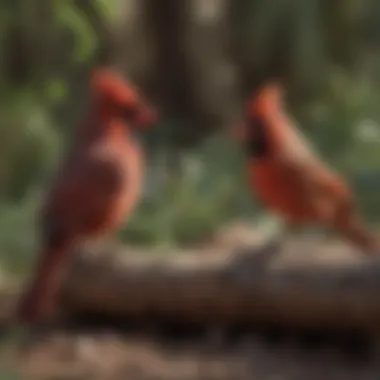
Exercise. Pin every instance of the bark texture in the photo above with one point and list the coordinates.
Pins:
(303, 286)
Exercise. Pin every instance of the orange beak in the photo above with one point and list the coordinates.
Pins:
(146, 117)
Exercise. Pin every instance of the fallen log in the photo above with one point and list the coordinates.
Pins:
(304, 285)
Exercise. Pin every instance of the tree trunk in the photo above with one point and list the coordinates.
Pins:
(301, 286)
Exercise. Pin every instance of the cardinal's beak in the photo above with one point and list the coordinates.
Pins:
(146, 117)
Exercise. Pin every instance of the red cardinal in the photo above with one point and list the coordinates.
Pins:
(96, 189)
(290, 178)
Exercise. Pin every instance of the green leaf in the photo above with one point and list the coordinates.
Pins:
(70, 17)
(57, 90)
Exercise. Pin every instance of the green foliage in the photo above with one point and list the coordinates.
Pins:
(71, 18)
(108, 8)
(28, 142)
(190, 207)
(17, 234)
(310, 41)
(9, 375)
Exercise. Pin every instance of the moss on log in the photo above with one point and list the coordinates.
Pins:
(304, 285)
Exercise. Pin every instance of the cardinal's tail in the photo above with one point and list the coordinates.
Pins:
(355, 230)
(44, 285)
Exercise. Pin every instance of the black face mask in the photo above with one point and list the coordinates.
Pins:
(257, 145)
(128, 114)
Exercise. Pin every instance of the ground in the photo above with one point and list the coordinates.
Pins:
(108, 353)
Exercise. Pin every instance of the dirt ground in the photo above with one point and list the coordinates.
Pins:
(110, 355)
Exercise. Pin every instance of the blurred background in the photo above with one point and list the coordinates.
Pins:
(197, 60)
